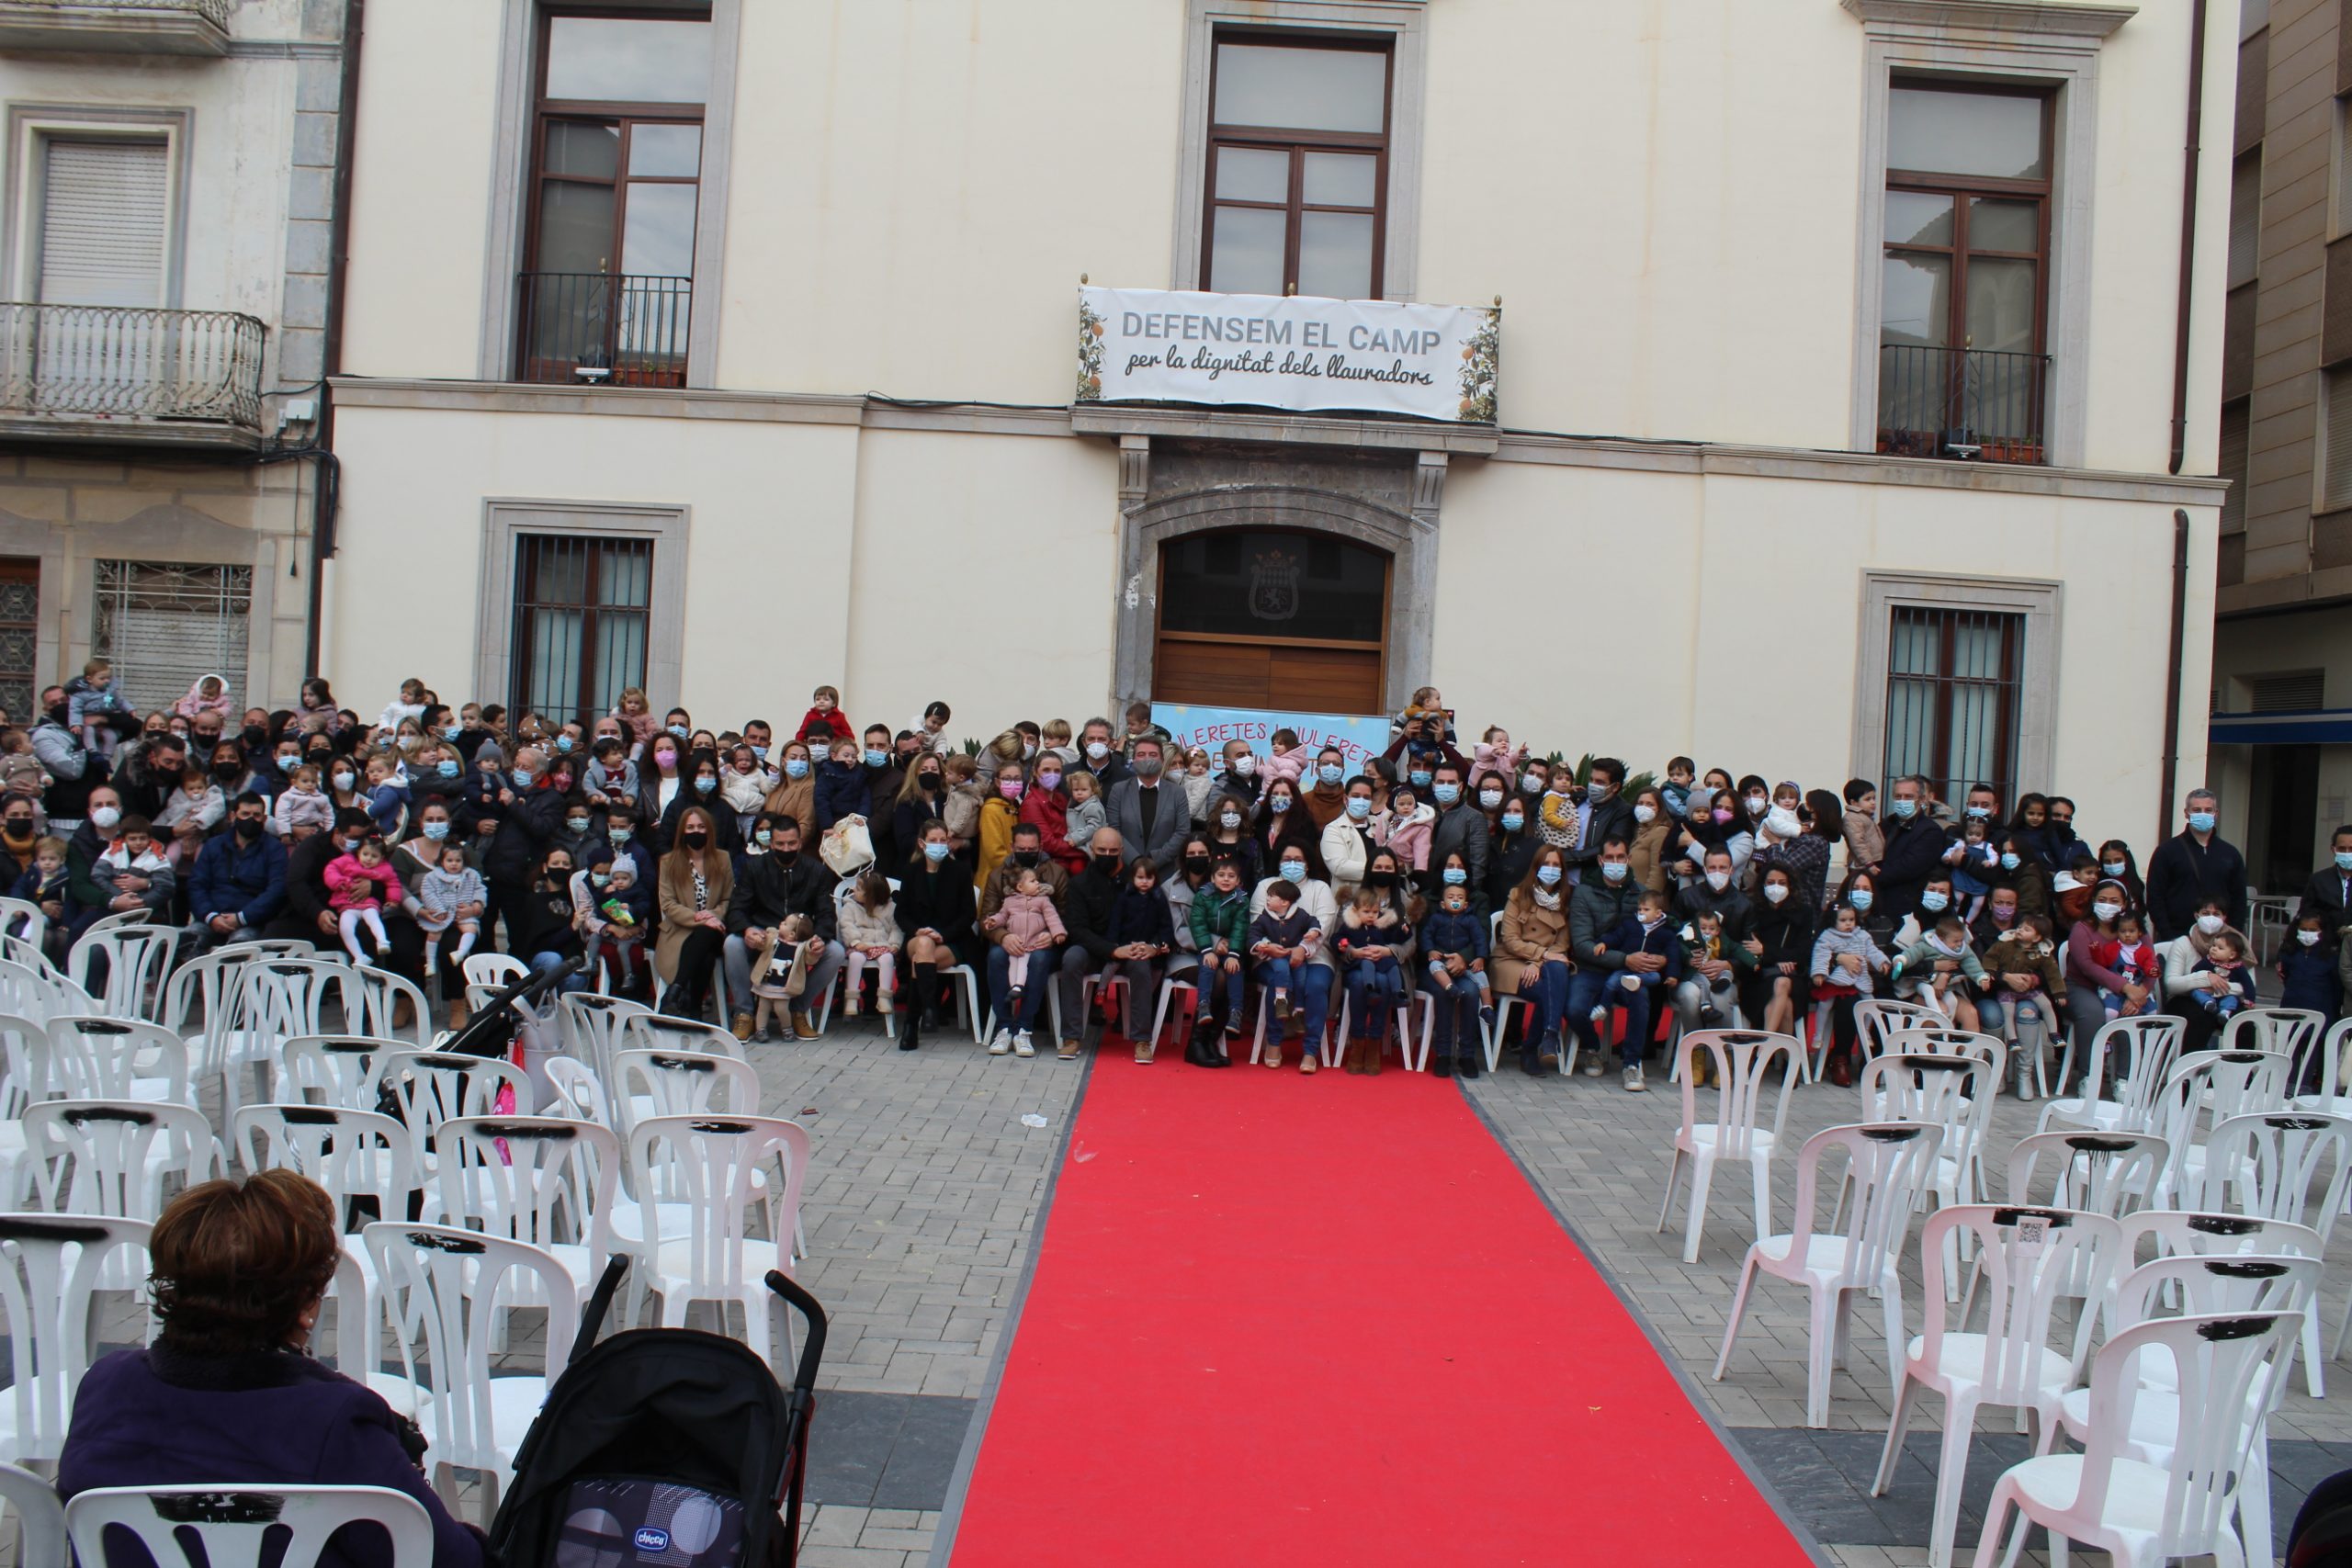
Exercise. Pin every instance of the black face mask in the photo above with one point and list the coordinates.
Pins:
(1197, 864)
(58, 712)
(16, 829)
(1107, 864)
(248, 828)
(1027, 857)
(784, 857)
(254, 735)
(931, 782)
(228, 772)
(205, 740)
(695, 839)
(1380, 879)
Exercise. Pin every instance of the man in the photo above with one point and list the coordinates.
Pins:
(2061, 832)
(2327, 894)
(780, 882)
(1086, 911)
(85, 900)
(2195, 865)
(521, 817)
(1028, 854)
(1712, 894)
(1606, 815)
(1152, 815)
(1461, 828)
(1420, 746)
(759, 735)
(1098, 753)
(239, 882)
(204, 735)
(1915, 850)
(1240, 777)
(1323, 788)
(147, 771)
(884, 779)
(1598, 904)
(1981, 804)
(73, 768)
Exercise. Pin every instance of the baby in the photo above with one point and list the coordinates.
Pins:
(2133, 958)
(20, 771)
(132, 864)
(1087, 817)
(359, 884)
(303, 809)
(1028, 913)
(197, 803)
(450, 885)
(2224, 955)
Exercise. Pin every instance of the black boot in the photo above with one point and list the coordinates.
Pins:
(909, 1029)
(1201, 1049)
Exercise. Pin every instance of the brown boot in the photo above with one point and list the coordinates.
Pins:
(803, 1027)
(1372, 1048)
(458, 1013)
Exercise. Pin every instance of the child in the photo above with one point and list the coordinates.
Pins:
(825, 716)
(1284, 939)
(1087, 817)
(1405, 832)
(623, 916)
(132, 864)
(94, 708)
(610, 777)
(1221, 930)
(20, 771)
(450, 885)
(387, 795)
(1843, 958)
(210, 694)
(1140, 727)
(1679, 773)
(869, 931)
(782, 973)
(44, 884)
(1703, 940)
(842, 789)
(197, 803)
(1454, 941)
(2224, 955)
(1426, 703)
(1634, 992)
(2032, 987)
(2308, 971)
(1375, 985)
(959, 806)
(303, 809)
(1288, 761)
(2133, 957)
(1141, 923)
(1027, 912)
(1055, 738)
(1199, 786)
(1979, 863)
(1918, 978)
(359, 884)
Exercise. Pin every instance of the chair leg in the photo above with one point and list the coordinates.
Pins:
(1759, 1171)
(1738, 1309)
(1951, 1471)
(1665, 1203)
(1703, 1176)
(2253, 1501)
(1897, 1424)
(2314, 1378)
(1828, 1315)
(1995, 1512)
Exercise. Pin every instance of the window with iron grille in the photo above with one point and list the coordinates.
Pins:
(164, 626)
(1952, 682)
(581, 612)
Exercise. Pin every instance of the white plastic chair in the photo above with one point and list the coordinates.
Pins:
(117, 1156)
(2293, 1033)
(444, 1287)
(2180, 1233)
(965, 987)
(430, 1086)
(674, 1083)
(332, 1069)
(117, 1058)
(1955, 1093)
(1875, 1019)
(1743, 1071)
(25, 1076)
(2206, 1088)
(213, 987)
(137, 957)
(577, 1091)
(49, 1266)
(41, 993)
(2148, 1047)
(2334, 1095)
(233, 1521)
(1329, 1048)
(2104, 1173)
(706, 1165)
(678, 1036)
(372, 1003)
(284, 997)
(1888, 1165)
(2027, 1259)
(40, 1518)
(543, 1180)
(354, 1155)
(2289, 1166)
(487, 974)
(591, 1024)
(34, 920)
(2145, 1514)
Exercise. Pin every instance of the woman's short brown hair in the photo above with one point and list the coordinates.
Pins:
(235, 1261)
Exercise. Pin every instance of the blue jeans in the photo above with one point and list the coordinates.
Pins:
(1586, 990)
(1458, 999)
(1033, 995)
(1551, 991)
(1374, 987)
(1309, 985)
(1214, 976)
(548, 962)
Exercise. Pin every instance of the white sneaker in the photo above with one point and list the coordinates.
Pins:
(1633, 1084)
(1002, 1043)
(1023, 1046)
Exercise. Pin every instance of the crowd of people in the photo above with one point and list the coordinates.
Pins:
(756, 872)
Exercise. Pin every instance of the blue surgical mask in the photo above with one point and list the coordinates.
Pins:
(522, 777)
(287, 764)
(935, 851)
(1421, 777)
(563, 742)
(1614, 869)
(447, 769)
(796, 767)
(1549, 875)
(2009, 860)
(706, 784)
(1934, 902)
(617, 835)
(2202, 821)
(1980, 812)
(2343, 860)
(1447, 793)
(1455, 876)
(1330, 772)
(679, 730)
(763, 835)
(1860, 898)
(875, 759)
(1905, 807)
(437, 831)
(760, 752)
(1278, 804)
(451, 731)
(1358, 808)
(1294, 871)
(1513, 821)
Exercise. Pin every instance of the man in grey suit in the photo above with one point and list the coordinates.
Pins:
(1152, 817)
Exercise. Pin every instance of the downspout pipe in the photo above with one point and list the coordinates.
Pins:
(2189, 158)
(2180, 634)
(328, 483)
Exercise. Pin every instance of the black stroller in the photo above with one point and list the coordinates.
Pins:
(664, 1446)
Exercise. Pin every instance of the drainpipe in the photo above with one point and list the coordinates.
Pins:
(2188, 237)
(2172, 669)
(328, 481)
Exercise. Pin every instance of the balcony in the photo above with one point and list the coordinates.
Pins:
(1974, 404)
(603, 329)
(119, 27)
(76, 373)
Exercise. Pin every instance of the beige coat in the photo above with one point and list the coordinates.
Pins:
(675, 886)
(1528, 932)
(1646, 855)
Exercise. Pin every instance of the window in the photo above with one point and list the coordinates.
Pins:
(19, 634)
(164, 626)
(2336, 438)
(1265, 616)
(1952, 680)
(2245, 217)
(1965, 256)
(104, 213)
(582, 613)
(2232, 466)
(1298, 166)
(616, 166)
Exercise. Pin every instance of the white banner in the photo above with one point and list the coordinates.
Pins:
(1152, 345)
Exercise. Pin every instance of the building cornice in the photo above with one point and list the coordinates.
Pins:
(2040, 18)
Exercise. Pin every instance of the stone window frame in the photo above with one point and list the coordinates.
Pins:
(2055, 47)
(510, 180)
(2039, 600)
(31, 124)
(504, 518)
(1405, 23)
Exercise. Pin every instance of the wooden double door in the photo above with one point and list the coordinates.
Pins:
(1272, 618)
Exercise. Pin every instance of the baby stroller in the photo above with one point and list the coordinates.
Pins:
(663, 1447)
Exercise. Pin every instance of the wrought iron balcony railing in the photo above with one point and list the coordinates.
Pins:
(110, 362)
(603, 329)
(1968, 403)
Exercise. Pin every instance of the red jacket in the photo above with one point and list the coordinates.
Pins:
(836, 721)
(1050, 809)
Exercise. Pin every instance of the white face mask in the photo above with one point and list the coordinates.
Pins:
(2209, 924)
(1645, 813)
(1490, 798)
(2309, 938)
(1719, 880)
(2106, 911)
(1097, 751)
(1245, 765)
(1775, 891)
(1229, 819)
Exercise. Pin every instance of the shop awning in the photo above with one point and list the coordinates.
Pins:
(2308, 727)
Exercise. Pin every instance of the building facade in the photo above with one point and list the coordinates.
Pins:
(164, 257)
(728, 349)
(2282, 641)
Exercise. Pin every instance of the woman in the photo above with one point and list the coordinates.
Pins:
(795, 795)
(234, 774)
(2182, 979)
(1194, 863)
(1646, 854)
(433, 822)
(999, 813)
(658, 789)
(1046, 803)
(1231, 839)
(702, 790)
(1347, 839)
(1282, 821)
(2086, 976)
(551, 940)
(922, 798)
(228, 1391)
(1862, 892)
(1781, 935)
(1510, 852)
(2116, 863)
(1828, 823)
(2023, 871)
(1296, 864)
(935, 908)
(695, 883)
(1531, 958)
(341, 780)
(317, 712)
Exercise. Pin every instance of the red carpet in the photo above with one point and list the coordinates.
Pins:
(1286, 1320)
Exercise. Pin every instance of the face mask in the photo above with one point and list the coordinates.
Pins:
(1096, 751)
(2106, 911)
(1934, 903)
(1294, 871)
(1447, 793)
(796, 767)
(1197, 864)
(1775, 891)
(105, 817)
(1421, 777)
(2002, 917)
(759, 754)
(2114, 868)
(695, 839)
(1597, 792)
(1904, 808)
(1721, 814)
(1380, 879)
(2201, 821)
(1228, 818)
(1245, 765)
(288, 763)
(343, 781)
(1107, 864)
(576, 824)
(665, 759)
(448, 732)
(1860, 899)
(1513, 821)
(679, 730)
(2343, 860)
(1330, 772)
(617, 835)
(877, 759)
(1490, 798)
(1278, 804)
(2009, 860)
(1549, 875)
(1758, 805)
(411, 743)
(1009, 788)
(929, 781)
(437, 831)
(247, 829)
(1719, 880)
(1532, 783)
(1358, 808)
(1455, 876)
(563, 742)
(1027, 857)
(706, 784)
(2309, 938)
(1147, 767)
(522, 777)
(2211, 924)
(1980, 812)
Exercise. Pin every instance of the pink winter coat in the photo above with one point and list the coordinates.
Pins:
(196, 703)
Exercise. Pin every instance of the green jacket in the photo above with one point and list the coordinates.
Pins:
(1224, 915)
